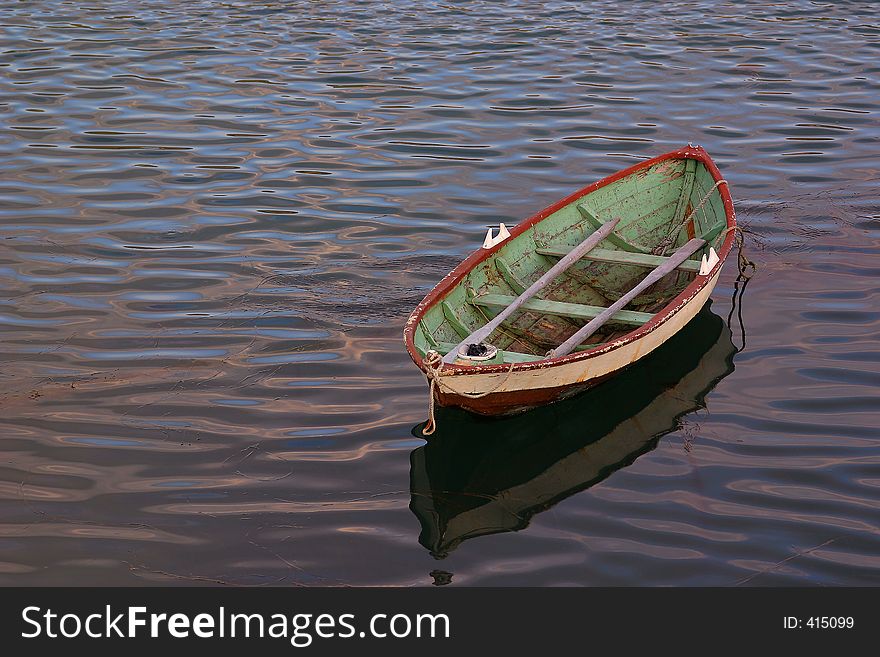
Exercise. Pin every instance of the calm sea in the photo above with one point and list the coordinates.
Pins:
(216, 217)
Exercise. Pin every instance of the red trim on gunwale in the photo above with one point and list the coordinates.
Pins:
(457, 274)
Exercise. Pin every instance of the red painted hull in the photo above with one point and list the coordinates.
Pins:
(519, 401)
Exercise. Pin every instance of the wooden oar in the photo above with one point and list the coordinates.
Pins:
(682, 254)
(564, 263)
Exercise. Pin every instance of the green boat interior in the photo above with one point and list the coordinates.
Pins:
(660, 209)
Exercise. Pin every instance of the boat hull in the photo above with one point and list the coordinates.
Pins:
(504, 389)
(515, 391)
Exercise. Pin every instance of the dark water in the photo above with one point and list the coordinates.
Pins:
(215, 218)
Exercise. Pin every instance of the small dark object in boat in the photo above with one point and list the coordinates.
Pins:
(479, 349)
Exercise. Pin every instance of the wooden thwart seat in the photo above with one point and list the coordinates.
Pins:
(596, 315)
(617, 257)
(671, 263)
(612, 237)
(567, 261)
(561, 309)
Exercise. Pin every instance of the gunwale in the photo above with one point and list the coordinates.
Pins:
(452, 279)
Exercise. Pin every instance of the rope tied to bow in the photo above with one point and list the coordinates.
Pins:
(670, 238)
(743, 263)
(434, 371)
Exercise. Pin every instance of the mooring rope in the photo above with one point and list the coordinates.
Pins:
(743, 262)
(434, 363)
(744, 277)
(667, 241)
(739, 290)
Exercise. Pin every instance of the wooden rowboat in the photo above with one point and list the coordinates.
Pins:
(579, 291)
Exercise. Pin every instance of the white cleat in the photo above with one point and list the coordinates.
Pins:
(706, 264)
(502, 235)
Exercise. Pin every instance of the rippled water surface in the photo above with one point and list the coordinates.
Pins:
(215, 218)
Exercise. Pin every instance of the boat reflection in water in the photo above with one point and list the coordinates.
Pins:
(478, 476)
